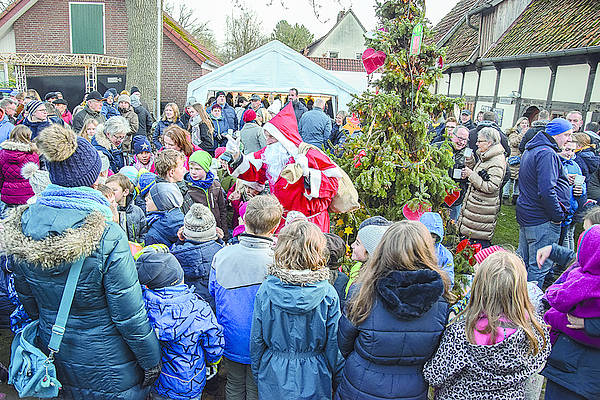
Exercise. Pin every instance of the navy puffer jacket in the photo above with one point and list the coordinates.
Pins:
(164, 229)
(108, 339)
(196, 259)
(385, 354)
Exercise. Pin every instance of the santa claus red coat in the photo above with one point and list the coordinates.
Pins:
(310, 194)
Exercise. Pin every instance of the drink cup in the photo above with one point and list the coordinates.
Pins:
(457, 173)
(579, 179)
(468, 152)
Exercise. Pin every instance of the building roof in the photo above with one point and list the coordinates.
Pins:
(453, 19)
(339, 64)
(182, 38)
(463, 45)
(311, 46)
(548, 26)
(188, 43)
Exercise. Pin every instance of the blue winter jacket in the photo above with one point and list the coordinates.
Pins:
(236, 274)
(108, 340)
(315, 127)
(160, 130)
(588, 162)
(109, 110)
(575, 203)
(5, 128)
(435, 225)
(114, 155)
(36, 127)
(294, 345)
(385, 353)
(571, 364)
(221, 127)
(544, 191)
(164, 229)
(228, 113)
(190, 338)
(196, 259)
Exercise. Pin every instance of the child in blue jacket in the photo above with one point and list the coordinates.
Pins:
(163, 214)
(435, 226)
(189, 335)
(196, 253)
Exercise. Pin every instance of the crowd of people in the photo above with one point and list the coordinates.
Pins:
(207, 255)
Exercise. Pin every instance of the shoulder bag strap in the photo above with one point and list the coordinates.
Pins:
(58, 329)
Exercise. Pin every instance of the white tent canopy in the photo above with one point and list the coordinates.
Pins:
(273, 67)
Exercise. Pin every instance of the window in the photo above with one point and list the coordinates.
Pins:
(87, 28)
(359, 56)
(334, 54)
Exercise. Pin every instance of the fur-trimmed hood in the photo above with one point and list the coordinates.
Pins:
(50, 242)
(17, 146)
(297, 291)
(102, 140)
(410, 294)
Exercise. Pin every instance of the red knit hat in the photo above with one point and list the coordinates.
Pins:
(484, 253)
(284, 128)
(249, 115)
(219, 151)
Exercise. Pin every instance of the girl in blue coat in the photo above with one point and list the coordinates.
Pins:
(293, 343)
(170, 116)
(394, 318)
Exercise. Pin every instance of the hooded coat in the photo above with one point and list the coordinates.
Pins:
(544, 190)
(293, 345)
(14, 188)
(386, 352)
(479, 213)
(434, 224)
(133, 220)
(588, 162)
(190, 338)
(461, 370)
(229, 114)
(514, 139)
(163, 229)
(196, 259)
(108, 340)
(114, 154)
(109, 110)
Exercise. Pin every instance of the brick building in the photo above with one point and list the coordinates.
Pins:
(77, 46)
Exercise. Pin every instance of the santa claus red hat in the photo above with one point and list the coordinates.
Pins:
(284, 128)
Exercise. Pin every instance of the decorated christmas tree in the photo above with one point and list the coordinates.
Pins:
(392, 163)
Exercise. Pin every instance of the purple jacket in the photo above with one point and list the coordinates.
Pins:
(14, 189)
(577, 291)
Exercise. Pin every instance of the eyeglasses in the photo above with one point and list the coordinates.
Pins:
(460, 138)
(481, 141)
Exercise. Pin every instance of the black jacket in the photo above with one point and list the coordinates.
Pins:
(531, 132)
(488, 124)
(145, 120)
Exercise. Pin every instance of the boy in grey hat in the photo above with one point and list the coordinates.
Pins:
(163, 216)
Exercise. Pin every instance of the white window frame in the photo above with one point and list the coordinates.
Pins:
(103, 23)
(331, 51)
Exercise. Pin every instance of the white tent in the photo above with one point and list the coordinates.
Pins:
(273, 67)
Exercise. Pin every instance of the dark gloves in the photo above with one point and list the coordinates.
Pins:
(151, 375)
(484, 175)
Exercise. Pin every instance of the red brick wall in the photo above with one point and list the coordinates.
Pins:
(178, 69)
(45, 28)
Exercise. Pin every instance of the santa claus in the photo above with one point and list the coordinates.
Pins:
(304, 181)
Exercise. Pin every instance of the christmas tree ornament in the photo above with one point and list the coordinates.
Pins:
(352, 124)
(373, 59)
(415, 214)
(416, 40)
(358, 157)
(451, 198)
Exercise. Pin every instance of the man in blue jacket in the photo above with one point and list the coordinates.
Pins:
(228, 112)
(315, 125)
(544, 197)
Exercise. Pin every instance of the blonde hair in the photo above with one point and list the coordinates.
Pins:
(175, 109)
(33, 94)
(500, 290)
(166, 160)
(122, 181)
(21, 134)
(405, 246)
(582, 139)
(86, 125)
(593, 215)
(517, 126)
(204, 116)
(301, 245)
(263, 214)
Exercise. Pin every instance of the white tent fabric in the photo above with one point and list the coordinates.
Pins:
(273, 67)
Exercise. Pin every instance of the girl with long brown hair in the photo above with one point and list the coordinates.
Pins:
(201, 127)
(395, 315)
(177, 138)
(293, 343)
(497, 342)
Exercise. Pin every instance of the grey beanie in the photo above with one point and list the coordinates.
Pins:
(166, 196)
(158, 270)
(375, 220)
(124, 98)
(199, 224)
(135, 100)
(371, 235)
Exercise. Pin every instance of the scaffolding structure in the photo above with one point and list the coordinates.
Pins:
(90, 63)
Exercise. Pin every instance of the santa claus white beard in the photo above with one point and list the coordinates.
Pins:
(276, 157)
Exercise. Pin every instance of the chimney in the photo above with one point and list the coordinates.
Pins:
(340, 16)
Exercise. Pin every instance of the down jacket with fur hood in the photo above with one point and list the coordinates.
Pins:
(482, 202)
(114, 154)
(108, 340)
(386, 352)
(14, 188)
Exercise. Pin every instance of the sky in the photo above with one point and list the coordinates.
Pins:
(300, 11)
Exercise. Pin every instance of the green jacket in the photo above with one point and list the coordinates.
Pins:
(108, 340)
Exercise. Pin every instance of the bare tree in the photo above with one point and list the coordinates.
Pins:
(142, 40)
(185, 17)
(243, 34)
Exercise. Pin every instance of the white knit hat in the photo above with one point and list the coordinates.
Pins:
(38, 179)
(199, 224)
